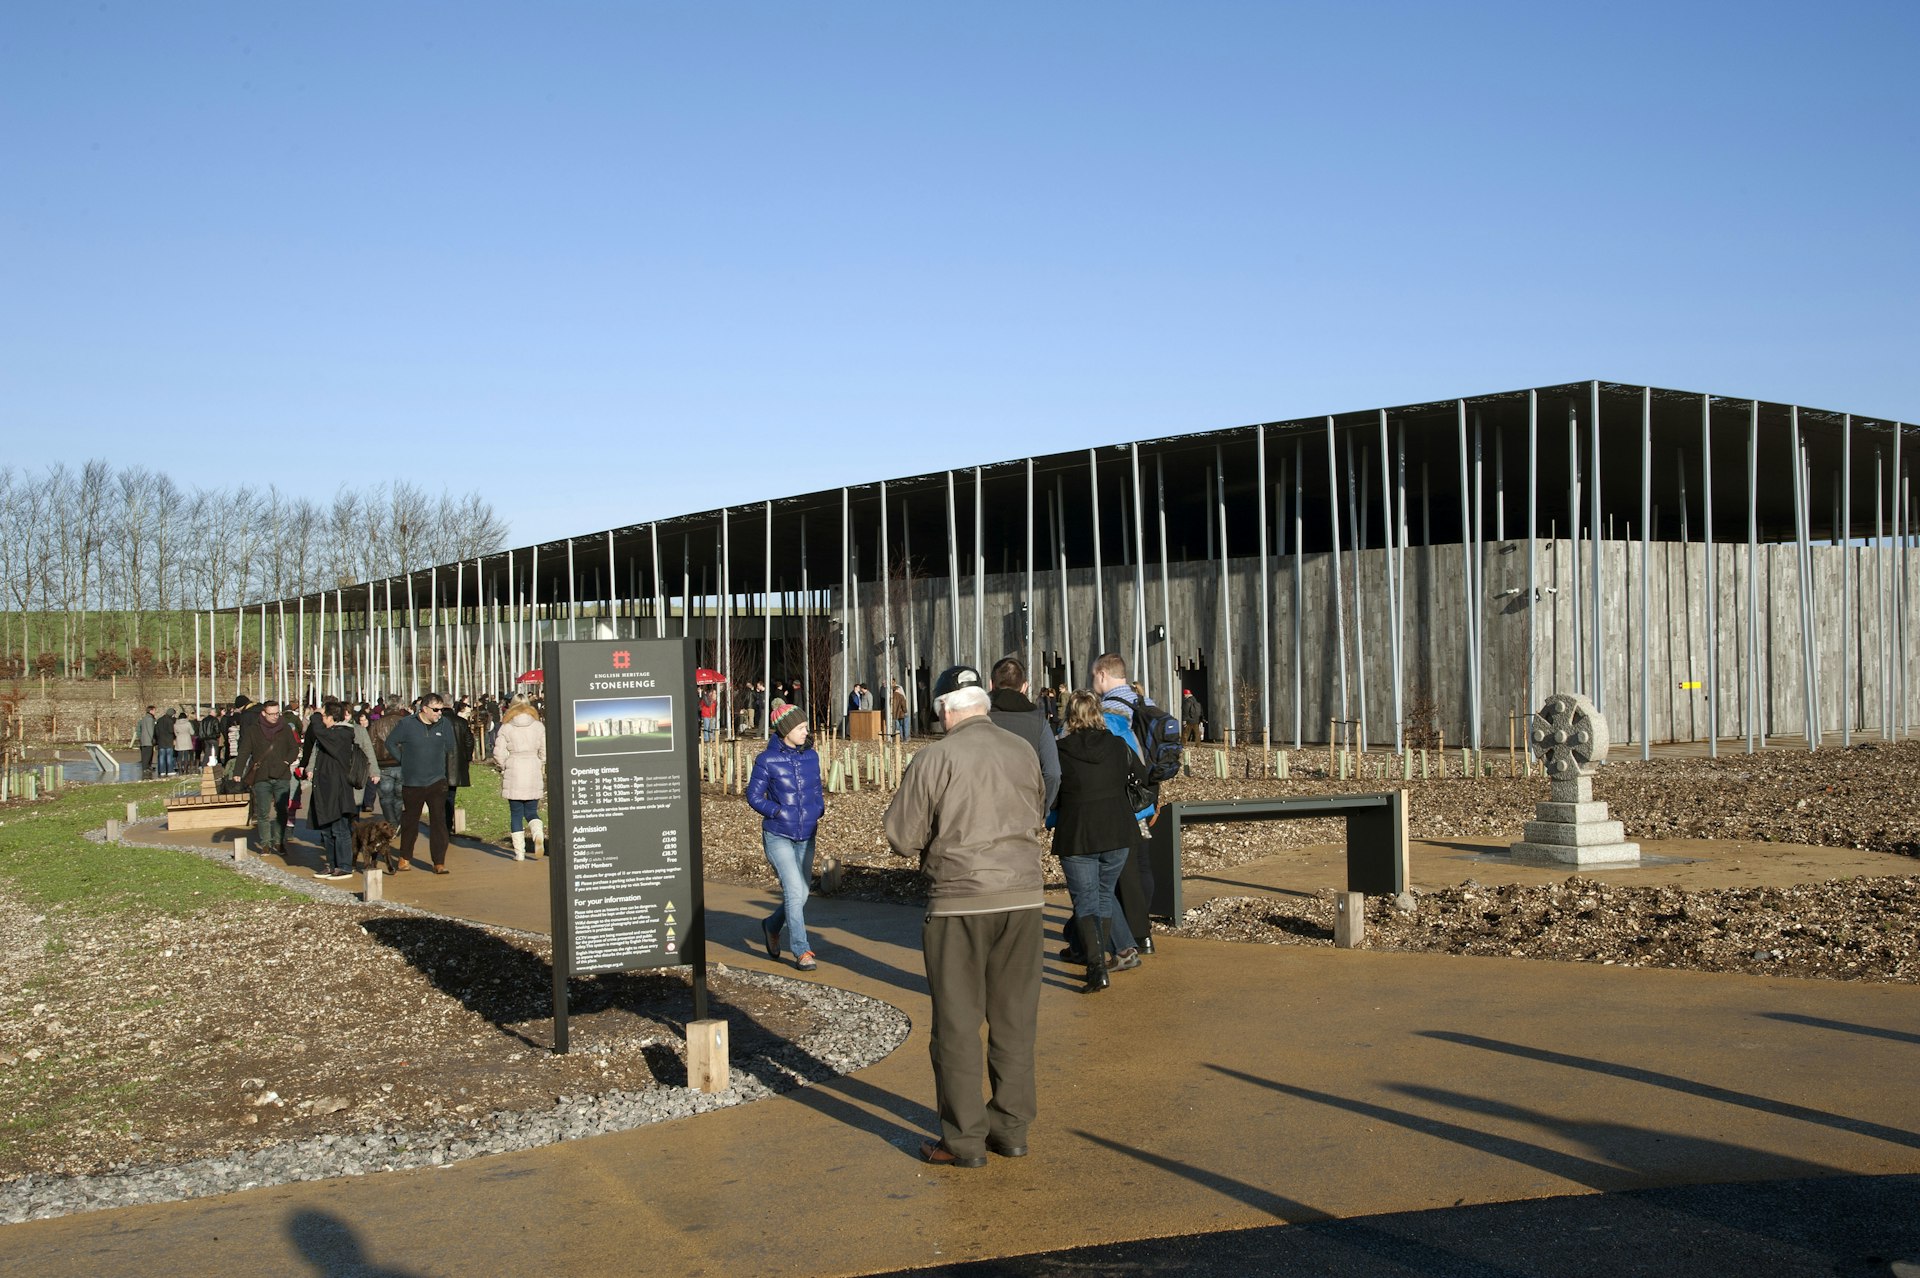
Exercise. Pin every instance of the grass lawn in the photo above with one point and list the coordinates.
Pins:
(46, 864)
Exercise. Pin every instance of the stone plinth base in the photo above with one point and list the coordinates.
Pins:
(1575, 854)
(1573, 829)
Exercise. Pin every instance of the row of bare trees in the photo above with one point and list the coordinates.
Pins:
(128, 545)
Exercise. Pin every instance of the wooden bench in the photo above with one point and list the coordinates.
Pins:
(1376, 839)
(207, 812)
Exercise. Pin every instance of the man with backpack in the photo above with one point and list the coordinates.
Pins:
(1155, 737)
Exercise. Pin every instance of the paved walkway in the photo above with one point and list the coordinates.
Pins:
(1220, 1087)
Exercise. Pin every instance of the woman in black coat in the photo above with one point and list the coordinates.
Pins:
(1094, 832)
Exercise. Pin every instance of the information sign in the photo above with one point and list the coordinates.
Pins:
(623, 795)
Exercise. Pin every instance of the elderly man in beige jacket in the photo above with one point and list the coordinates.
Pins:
(970, 807)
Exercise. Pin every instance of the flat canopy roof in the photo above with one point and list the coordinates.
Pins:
(1196, 474)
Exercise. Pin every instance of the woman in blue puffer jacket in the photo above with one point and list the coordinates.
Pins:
(785, 790)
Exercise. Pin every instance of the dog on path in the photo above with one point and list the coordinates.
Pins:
(373, 838)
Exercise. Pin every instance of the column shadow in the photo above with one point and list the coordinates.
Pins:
(1279, 1206)
(1845, 1027)
(1687, 1086)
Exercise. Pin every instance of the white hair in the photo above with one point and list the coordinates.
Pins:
(962, 702)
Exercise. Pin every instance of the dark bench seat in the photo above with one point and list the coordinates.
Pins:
(1376, 838)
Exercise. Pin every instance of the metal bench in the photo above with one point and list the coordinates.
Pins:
(1376, 838)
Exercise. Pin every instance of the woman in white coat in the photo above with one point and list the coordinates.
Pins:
(521, 751)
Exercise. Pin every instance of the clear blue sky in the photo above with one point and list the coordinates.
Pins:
(619, 261)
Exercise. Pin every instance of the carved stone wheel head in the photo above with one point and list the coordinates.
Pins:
(1568, 736)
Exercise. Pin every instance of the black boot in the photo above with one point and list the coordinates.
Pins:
(1091, 944)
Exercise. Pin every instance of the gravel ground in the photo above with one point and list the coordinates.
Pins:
(259, 1043)
(1857, 929)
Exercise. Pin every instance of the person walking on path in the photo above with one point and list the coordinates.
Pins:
(424, 745)
(1118, 698)
(269, 747)
(1018, 715)
(333, 752)
(163, 743)
(143, 737)
(784, 788)
(897, 711)
(969, 807)
(1191, 717)
(1093, 834)
(521, 751)
(365, 793)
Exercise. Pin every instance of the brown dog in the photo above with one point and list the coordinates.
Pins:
(372, 839)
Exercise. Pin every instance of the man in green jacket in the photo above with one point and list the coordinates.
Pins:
(971, 807)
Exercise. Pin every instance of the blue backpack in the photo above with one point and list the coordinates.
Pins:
(1156, 736)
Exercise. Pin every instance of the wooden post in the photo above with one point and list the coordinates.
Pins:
(459, 820)
(1283, 765)
(133, 813)
(1349, 920)
(240, 849)
(376, 881)
(113, 830)
(707, 1056)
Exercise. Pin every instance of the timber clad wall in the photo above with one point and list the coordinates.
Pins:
(1434, 641)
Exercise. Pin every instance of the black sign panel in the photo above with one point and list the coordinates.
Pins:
(623, 790)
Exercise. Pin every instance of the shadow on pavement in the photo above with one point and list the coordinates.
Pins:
(1851, 1227)
(1673, 1082)
(1845, 1027)
(330, 1245)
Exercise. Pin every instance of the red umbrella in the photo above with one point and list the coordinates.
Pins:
(532, 676)
(705, 677)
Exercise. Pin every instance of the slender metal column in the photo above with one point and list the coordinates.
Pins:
(413, 643)
(1057, 517)
(766, 630)
(885, 698)
(1226, 600)
(1266, 621)
(1477, 600)
(573, 597)
(1393, 595)
(1027, 607)
(1139, 586)
(659, 583)
(979, 567)
(300, 642)
(1359, 526)
(1800, 567)
(1646, 553)
(1333, 558)
(1713, 595)
(1099, 645)
(1166, 588)
(433, 629)
(280, 645)
(1595, 531)
(1573, 543)
(953, 576)
(1845, 534)
(1880, 603)
(1299, 587)
(1898, 517)
(807, 606)
(1533, 547)
(846, 593)
(1466, 582)
(1756, 711)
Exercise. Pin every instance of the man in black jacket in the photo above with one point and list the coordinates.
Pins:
(1013, 711)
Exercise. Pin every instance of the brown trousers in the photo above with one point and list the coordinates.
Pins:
(983, 966)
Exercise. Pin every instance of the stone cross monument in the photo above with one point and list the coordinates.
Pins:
(1569, 737)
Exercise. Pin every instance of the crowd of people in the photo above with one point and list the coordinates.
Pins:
(969, 808)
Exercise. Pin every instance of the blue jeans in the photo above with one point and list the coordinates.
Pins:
(163, 764)
(900, 729)
(1090, 880)
(336, 842)
(521, 811)
(390, 793)
(792, 860)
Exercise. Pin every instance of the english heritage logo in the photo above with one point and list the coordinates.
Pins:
(622, 659)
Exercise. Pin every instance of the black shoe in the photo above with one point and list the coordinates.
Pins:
(1146, 945)
(1071, 954)
(1005, 1150)
(1097, 978)
(937, 1153)
(773, 942)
